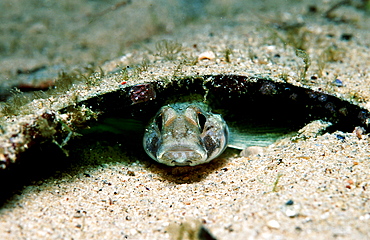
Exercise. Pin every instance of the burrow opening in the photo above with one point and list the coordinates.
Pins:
(260, 108)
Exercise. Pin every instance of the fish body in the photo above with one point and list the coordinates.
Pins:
(185, 134)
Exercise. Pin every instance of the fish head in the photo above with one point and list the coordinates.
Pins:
(185, 134)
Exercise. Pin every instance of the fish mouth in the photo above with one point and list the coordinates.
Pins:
(182, 156)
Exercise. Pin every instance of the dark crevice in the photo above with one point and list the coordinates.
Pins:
(247, 101)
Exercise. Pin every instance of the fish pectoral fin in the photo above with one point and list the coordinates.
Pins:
(242, 137)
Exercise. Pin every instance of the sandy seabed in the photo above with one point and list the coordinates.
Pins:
(316, 188)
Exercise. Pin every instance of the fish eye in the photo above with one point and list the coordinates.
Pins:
(158, 121)
(202, 120)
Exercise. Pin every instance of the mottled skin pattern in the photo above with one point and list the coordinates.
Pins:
(185, 134)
